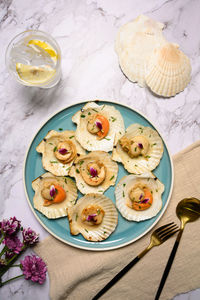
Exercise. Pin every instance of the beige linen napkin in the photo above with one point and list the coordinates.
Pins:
(79, 274)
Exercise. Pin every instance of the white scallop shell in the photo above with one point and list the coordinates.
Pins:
(111, 172)
(169, 71)
(141, 164)
(56, 210)
(96, 232)
(122, 191)
(47, 146)
(90, 141)
(135, 43)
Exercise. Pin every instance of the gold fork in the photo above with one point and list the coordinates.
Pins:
(159, 236)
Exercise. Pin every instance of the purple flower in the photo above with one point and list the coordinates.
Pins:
(34, 268)
(93, 172)
(140, 146)
(91, 217)
(99, 125)
(13, 243)
(62, 151)
(30, 237)
(52, 190)
(145, 200)
(10, 226)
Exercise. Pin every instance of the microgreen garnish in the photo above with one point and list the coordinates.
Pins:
(108, 139)
(124, 184)
(94, 110)
(112, 177)
(76, 217)
(77, 171)
(82, 116)
(55, 148)
(113, 119)
(53, 161)
(86, 230)
(123, 194)
(153, 144)
(81, 162)
(89, 113)
(71, 137)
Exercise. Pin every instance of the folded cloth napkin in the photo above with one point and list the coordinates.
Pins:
(79, 274)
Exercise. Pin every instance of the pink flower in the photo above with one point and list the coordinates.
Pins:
(34, 268)
(13, 243)
(30, 237)
(10, 226)
(93, 172)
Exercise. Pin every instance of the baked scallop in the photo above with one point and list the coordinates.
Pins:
(94, 216)
(139, 150)
(169, 70)
(53, 195)
(135, 42)
(94, 172)
(59, 150)
(98, 126)
(139, 197)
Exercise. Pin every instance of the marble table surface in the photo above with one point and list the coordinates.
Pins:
(86, 31)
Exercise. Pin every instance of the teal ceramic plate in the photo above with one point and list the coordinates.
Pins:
(126, 231)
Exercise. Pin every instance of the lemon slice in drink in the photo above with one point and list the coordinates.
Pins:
(46, 47)
(34, 74)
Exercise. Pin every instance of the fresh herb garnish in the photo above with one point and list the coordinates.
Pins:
(60, 129)
(123, 194)
(77, 171)
(71, 137)
(53, 161)
(113, 119)
(76, 217)
(124, 184)
(82, 116)
(55, 148)
(108, 139)
(112, 177)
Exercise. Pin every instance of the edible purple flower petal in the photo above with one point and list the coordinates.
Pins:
(52, 190)
(98, 124)
(10, 226)
(93, 172)
(34, 268)
(30, 237)
(145, 200)
(62, 151)
(140, 196)
(90, 217)
(140, 145)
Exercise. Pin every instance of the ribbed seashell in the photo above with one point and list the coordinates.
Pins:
(122, 194)
(169, 71)
(90, 141)
(56, 210)
(140, 164)
(47, 147)
(83, 160)
(134, 45)
(94, 233)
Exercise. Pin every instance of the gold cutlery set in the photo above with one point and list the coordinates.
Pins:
(187, 210)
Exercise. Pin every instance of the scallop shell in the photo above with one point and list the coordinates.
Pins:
(140, 164)
(135, 43)
(57, 210)
(90, 141)
(111, 172)
(122, 190)
(47, 147)
(94, 233)
(169, 71)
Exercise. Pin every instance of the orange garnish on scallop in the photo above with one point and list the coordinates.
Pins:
(60, 196)
(105, 126)
(145, 203)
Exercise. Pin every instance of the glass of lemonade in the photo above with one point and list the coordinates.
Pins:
(33, 58)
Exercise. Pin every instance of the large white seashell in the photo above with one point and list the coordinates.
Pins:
(169, 71)
(96, 232)
(83, 160)
(140, 164)
(56, 210)
(90, 141)
(122, 194)
(47, 147)
(135, 43)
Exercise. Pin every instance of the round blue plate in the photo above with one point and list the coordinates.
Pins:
(126, 231)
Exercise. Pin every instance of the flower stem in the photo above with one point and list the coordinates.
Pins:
(3, 283)
(3, 250)
(1, 240)
(15, 266)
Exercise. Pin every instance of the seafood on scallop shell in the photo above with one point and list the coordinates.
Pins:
(131, 188)
(98, 126)
(139, 150)
(94, 216)
(94, 172)
(135, 42)
(43, 184)
(59, 149)
(169, 70)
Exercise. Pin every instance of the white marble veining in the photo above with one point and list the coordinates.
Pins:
(85, 31)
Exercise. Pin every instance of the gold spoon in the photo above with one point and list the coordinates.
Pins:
(187, 210)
